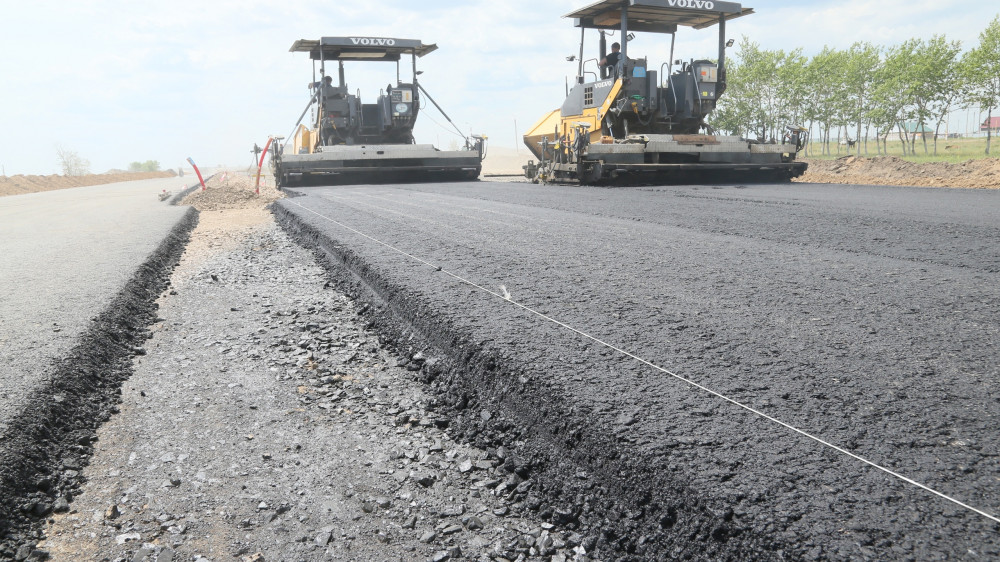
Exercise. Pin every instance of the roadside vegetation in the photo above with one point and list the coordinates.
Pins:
(878, 100)
(72, 164)
(147, 166)
(952, 150)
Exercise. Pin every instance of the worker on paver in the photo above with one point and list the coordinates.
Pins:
(612, 59)
(327, 84)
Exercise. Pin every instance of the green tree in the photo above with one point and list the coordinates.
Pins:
(893, 99)
(981, 69)
(931, 81)
(911, 86)
(792, 87)
(743, 109)
(738, 109)
(864, 63)
(841, 101)
(949, 92)
(147, 166)
(765, 93)
(828, 95)
(761, 70)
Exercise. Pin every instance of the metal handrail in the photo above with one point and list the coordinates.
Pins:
(361, 110)
(697, 89)
(673, 90)
(291, 135)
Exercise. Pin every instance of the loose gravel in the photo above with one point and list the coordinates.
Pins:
(265, 421)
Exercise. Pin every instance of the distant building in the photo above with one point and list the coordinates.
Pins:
(913, 128)
(991, 124)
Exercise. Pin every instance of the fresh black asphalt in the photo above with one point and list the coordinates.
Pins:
(866, 316)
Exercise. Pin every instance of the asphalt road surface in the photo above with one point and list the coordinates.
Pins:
(863, 316)
(78, 271)
(63, 256)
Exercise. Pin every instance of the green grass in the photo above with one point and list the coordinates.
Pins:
(949, 150)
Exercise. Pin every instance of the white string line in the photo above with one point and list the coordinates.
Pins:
(416, 207)
(559, 225)
(803, 433)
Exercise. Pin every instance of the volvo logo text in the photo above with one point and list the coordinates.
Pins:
(696, 4)
(371, 41)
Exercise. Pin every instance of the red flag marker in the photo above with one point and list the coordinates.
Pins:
(261, 163)
(197, 171)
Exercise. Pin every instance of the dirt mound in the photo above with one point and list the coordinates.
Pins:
(891, 170)
(17, 185)
(232, 190)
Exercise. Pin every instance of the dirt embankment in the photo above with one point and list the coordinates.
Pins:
(891, 170)
(232, 190)
(19, 184)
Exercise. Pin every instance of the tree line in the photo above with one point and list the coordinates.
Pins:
(75, 165)
(147, 166)
(865, 92)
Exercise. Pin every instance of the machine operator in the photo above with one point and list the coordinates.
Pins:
(327, 84)
(612, 59)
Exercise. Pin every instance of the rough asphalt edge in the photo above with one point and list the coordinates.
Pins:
(43, 452)
(581, 476)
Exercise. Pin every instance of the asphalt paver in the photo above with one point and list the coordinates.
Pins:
(863, 316)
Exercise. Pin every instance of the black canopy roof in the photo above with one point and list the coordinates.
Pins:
(361, 48)
(656, 16)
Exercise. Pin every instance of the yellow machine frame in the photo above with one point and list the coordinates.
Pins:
(304, 141)
(558, 128)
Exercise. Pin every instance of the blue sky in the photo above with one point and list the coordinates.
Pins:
(122, 81)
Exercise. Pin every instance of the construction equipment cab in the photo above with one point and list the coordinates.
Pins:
(354, 141)
(642, 121)
(344, 119)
